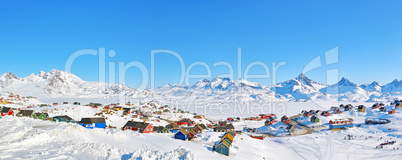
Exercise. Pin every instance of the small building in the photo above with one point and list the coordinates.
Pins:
(290, 128)
(55, 104)
(382, 109)
(160, 129)
(126, 111)
(198, 128)
(314, 119)
(191, 134)
(361, 108)
(391, 112)
(257, 137)
(222, 148)
(63, 118)
(285, 119)
(91, 123)
(228, 135)
(348, 107)
(172, 126)
(325, 113)
(76, 103)
(65, 102)
(141, 127)
(226, 128)
(25, 113)
(42, 116)
(270, 122)
(181, 134)
(267, 116)
(6, 111)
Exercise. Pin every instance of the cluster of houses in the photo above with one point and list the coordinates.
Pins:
(189, 133)
(93, 122)
(223, 147)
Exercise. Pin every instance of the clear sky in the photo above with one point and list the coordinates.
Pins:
(41, 35)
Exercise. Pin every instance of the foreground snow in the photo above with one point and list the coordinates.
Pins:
(26, 138)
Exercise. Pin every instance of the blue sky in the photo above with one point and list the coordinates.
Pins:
(37, 36)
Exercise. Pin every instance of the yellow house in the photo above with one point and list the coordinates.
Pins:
(228, 136)
(361, 108)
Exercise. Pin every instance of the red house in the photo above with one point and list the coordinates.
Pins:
(270, 122)
(192, 134)
(285, 119)
(391, 112)
(257, 137)
(139, 126)
(267, 116)
(6, 111)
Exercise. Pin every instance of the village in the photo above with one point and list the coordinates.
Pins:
(153, 118)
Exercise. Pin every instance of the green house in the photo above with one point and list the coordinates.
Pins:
(314, 119)
(42, 116)
(63, 118)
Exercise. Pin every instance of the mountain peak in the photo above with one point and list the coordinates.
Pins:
(302, 76)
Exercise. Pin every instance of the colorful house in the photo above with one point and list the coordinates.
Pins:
(42, 116)
(181, 134)
(228, 135)
(160, 129)
(285, 119)
(191, 134)
(222, 148)
(267, 116)
(25, 113)
(361, 108)
(63, 118)
(93, 122)
(141, 127)
(6, 111)
(314, 119)
(226, 128)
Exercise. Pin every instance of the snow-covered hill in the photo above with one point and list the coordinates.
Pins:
(62, 84)
(58, 83)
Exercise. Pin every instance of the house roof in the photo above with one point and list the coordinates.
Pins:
(5, 109)
(141, 125)
(183, 131)
(38, 114)
(172, 126)
(92, 120)
(25, 112)
(201, 125)
(192, 132)
(158, 128)
(229, 126)
(227, 138)
(65, 117)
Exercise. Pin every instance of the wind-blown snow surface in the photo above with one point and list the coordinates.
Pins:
(56, 84)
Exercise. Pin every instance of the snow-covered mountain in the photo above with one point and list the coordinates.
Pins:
(299, 88)
(373, 87)
(58, 83)
(223, 89)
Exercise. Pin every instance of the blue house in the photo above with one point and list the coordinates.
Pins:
(182, 134)
(222, 148)
(93, 123)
